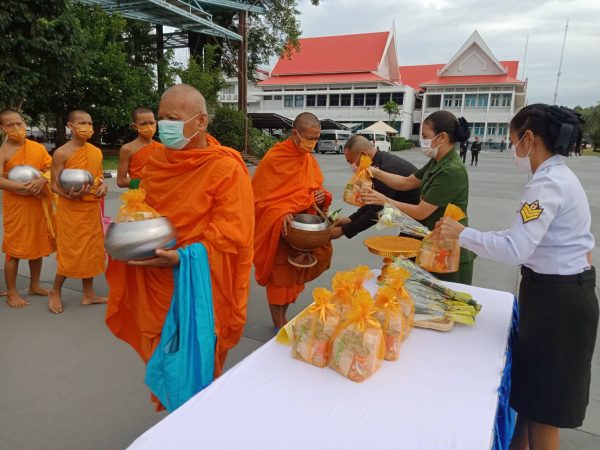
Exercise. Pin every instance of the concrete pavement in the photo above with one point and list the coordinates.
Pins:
(67, 383)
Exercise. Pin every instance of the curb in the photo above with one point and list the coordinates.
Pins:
(110, 174)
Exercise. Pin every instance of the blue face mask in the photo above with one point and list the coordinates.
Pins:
(171, 133)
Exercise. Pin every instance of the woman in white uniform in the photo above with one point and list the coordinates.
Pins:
(558, 309)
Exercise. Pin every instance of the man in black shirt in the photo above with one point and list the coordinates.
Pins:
(366, 216)
(475, 149)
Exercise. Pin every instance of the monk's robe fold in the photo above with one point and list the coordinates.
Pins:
(138, 159)
(26, 218)
(284, 182)
(79, 237)
(206, 194)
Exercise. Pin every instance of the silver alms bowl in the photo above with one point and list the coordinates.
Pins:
(24, 174)
(309, 222)
(74, 179)
(129, 241)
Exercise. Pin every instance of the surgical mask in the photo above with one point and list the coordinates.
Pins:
(305, 144)
(146, 131)
(427, 149)
(16, 134)
(523, 164)
(354, 165)
(171, 133)
(83, 131)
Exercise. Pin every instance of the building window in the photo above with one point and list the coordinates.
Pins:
(384, 97)
(434, 101)
(470, 100)
(398, 97)
(482, 100)
(277, 97)
(478, 128)
(448, 100)
(311, 100)
(268, 97)
(416, 129)
(321, 100)
(288, 101)
(492, 129)
(506, 99)
(371, 100)
(334, 100)
(299, 101)
(502, 127)
(359, 100)
(346, 99)
(457, 101)
(495, 102)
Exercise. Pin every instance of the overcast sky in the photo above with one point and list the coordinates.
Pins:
(431, 31)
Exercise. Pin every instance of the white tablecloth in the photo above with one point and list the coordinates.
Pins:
(440, 394)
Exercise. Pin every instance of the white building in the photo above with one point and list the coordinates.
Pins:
(347, 79)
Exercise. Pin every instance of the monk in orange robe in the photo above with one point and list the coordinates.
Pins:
(288, 181)
(134, 154)
(204, 189)
(79, 235)
(26, 208)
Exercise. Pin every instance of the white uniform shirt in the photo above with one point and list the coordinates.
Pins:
(551, 232)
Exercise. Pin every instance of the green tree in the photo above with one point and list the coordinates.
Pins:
(392, 109)
(591, 115)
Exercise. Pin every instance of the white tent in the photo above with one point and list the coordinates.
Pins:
(381, 127)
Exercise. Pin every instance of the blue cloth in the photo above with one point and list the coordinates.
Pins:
(505, 415)
(184, 361)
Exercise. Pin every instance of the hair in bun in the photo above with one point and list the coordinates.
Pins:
(446, 122)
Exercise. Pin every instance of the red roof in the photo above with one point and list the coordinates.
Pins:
(416, 76)
(322, 79)
(334, 54)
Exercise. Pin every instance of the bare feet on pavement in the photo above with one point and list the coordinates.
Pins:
(54, 303)
(37, 290)
(95, 300)
(16, 301)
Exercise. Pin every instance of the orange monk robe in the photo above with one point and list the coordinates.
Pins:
(26, 218)
(138, 159)
(79, 237)
(284, 182)
(206, 194)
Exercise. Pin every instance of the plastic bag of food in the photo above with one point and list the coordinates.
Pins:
(389, 314)
(313, 329)
(346, 285)
(395, 280)
(358, 348)
(360, 180)
(134, 207)
(440, 255)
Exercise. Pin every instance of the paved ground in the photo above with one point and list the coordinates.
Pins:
(66, 383)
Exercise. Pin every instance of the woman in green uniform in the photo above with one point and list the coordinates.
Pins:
(442, 180)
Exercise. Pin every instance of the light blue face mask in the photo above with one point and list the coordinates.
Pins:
(171, 133)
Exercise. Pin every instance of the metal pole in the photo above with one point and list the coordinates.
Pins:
(562, 53)
(243, 76)
(160, 69)
(525, 58)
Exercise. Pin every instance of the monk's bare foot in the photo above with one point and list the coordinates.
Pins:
(16, 301)
(37, 290)
(95, 300)
(54, 303)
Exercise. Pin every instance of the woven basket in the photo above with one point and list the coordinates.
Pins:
(306, 241)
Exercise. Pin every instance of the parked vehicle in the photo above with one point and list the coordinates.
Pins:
(332, 141)
(379, 140)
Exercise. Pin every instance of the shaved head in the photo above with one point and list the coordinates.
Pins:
(140, 110)
(187, 97)
(6, 113)
(358, 144)
(306, 120)
(75, 114)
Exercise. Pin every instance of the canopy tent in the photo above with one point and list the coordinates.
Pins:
(381, 127)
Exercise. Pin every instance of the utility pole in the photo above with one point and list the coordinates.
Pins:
(525, 58)
(243, 75)
(160, 63)
(562, 53)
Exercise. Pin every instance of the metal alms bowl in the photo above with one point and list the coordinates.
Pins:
(129, 241)
(309, 222)
(74, 179)
(24, 174)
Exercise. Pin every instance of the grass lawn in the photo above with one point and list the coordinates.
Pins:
(110, 162)
(590, 152)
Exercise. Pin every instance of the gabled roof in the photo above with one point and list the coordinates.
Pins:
(334, 78)
(334, 54)
(474, 40)
(413, 76)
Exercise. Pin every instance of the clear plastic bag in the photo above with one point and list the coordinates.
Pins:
(135, 208)
(360, 180)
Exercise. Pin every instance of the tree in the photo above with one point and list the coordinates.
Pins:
(591, 115)
(392, 109)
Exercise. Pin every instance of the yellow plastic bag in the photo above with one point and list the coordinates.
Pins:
(395, 279)
(135, 208)
(313, 329)
(439, 255)
(359, 181)
(357, 348)
(346, 285)
(389, 314)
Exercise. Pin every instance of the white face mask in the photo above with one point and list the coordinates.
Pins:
(523, 164)
(427, 149)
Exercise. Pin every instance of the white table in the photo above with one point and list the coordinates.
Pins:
(440, 394)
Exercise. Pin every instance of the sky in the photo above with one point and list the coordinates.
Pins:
(432, 31)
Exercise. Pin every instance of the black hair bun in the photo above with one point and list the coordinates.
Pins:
(462, 130)
(565, 128)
